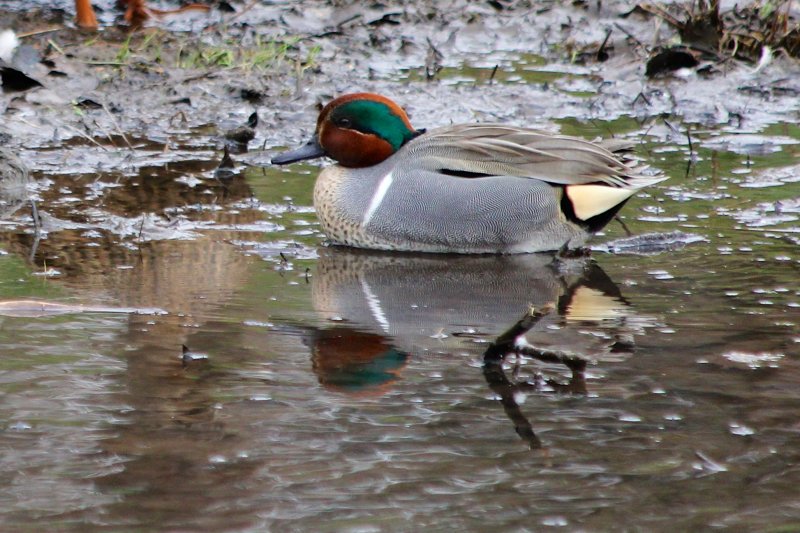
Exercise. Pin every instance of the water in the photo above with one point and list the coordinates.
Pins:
(336, 390)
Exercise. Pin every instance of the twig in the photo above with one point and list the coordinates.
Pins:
(643, 97)
(628, 232)
(54, 45)
(492, 75)
(39, 32)
(79, 132)
(628, 34)
(116, 125)
(602, 55)
(244, 10)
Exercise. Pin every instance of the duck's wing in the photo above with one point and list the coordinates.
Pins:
(477, 150)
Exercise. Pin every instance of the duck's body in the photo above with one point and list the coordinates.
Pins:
(403, 203)
(475, 188)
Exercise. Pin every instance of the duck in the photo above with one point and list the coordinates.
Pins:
(480, 188)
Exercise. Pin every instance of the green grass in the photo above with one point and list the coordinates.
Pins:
(158, 49)
(262, 55)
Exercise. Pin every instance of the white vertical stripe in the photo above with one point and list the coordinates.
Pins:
(377, 198)
(375, 306)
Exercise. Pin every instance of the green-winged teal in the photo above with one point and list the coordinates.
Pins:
(469, 188)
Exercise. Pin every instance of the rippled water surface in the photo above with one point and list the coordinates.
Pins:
(210, 366)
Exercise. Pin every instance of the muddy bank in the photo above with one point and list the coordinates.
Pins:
(172, 83)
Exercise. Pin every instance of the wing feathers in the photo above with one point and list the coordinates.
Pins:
(497, 150)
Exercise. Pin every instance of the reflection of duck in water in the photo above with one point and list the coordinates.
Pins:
(387, 306)
(511, 342)
(355, 362)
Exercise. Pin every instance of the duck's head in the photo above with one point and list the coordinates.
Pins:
(356, 130)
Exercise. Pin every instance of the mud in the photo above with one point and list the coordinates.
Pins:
(136, 88)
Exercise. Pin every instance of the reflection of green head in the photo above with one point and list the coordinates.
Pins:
(360, 376)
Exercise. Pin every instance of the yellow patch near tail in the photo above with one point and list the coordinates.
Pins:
(591, 200)
(592, 305)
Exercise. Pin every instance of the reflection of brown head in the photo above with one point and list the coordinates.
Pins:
(353, 362)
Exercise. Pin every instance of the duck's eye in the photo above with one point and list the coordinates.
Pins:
(343, 122)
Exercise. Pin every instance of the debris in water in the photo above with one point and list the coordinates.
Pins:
(741, 32)
(242, 135)
(40, 308)
(671, 59)
(650, 243)
(708, 465)
(227, 167)
(754, 360)
(8, 43)
(740, 429)
(188, 356)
